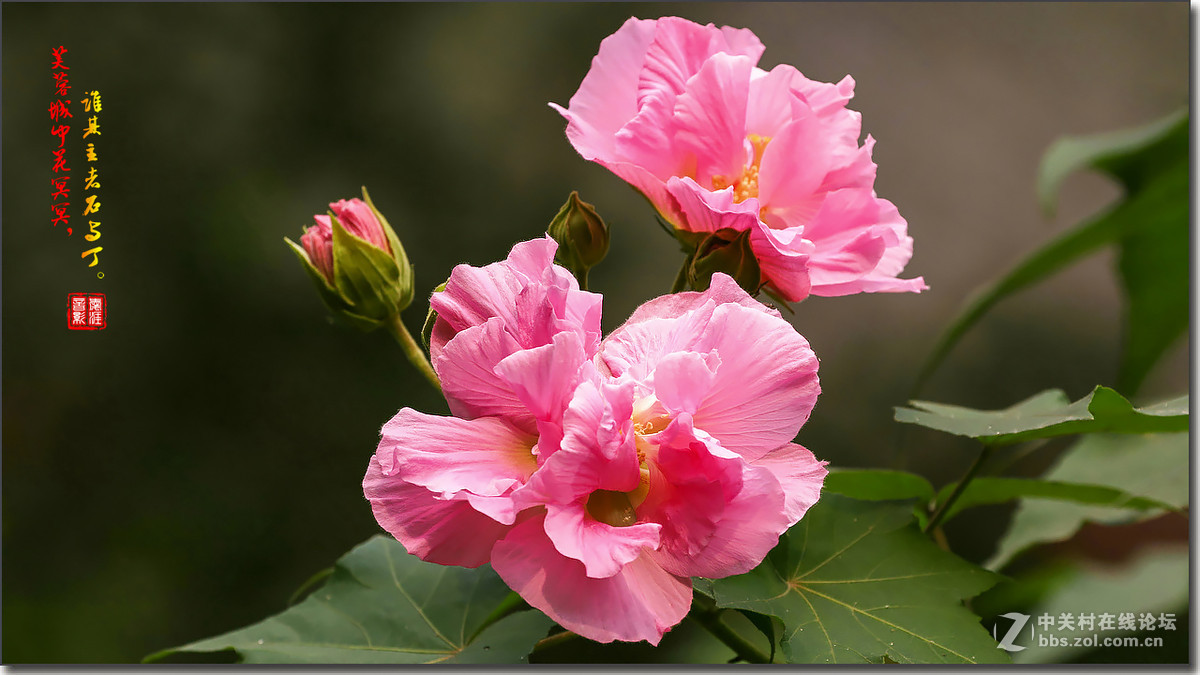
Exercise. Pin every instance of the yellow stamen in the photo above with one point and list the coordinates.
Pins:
(746, 185)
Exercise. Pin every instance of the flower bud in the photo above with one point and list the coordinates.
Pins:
(727, 251)
(318, 243)
(581, 235)
(357, 263)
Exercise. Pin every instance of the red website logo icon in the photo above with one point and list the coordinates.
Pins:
(87, 311)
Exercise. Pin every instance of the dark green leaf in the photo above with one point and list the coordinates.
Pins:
(1047, 415)
(873, 484)
(989, 490)
(1154, 272)
(769, 626)
(854, 582)
(382, 605)
(1152, 467)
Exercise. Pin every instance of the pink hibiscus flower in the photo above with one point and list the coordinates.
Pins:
(597, 478)
(682, 113)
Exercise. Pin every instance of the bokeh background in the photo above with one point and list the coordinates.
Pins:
(180, 473)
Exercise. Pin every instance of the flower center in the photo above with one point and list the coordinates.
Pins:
(612, 508)
(745, 186)
(619, 509)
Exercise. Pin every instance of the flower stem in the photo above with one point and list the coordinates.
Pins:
(705, 613)
(944, 507)
(681, 277)
(412, 350)
(555, 639)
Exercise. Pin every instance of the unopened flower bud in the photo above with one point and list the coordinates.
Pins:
(318, 244)
(727, 251)
(357, 263)
(582, 237)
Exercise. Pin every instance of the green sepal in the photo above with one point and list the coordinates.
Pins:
(367, 277)
(406, 281)
(689, 241)
(431, 316)
(327, 292)
(728, 251)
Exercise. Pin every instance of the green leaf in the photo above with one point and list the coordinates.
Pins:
(1155, 581)
(874, 484)
(1153, 467)
(988, 490)
(1154, 272)
(382, 605)
(1132, 156)
(1047, 415)
(856, 582)
(1149, 224)
(769, 626)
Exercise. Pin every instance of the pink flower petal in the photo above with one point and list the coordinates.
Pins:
(712, 210)
(487, 456)
(795, 162)
(597, 453)
(607, 98)
(711, 117)
(428, 527)
(766, 385)
(543, 379)
(769, 105)
(648, 140)
(641, 602)
(681, 48)
(683, 379)
(603, 549)
(800, 474)
(783, 262)
(466, 367)
(721, 515)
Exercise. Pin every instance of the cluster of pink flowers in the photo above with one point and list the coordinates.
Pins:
(597, 476)
(683, 114)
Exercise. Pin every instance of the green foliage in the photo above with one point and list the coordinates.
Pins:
(1147, 470)
(382, 605)
(1049, 414)
(856, 582)
(1150, 225)
(1132, 156)
(991, 490)
(874, 484)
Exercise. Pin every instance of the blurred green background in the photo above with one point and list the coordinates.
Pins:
(180, 473)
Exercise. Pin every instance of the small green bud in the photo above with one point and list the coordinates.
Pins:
(582, 237)
(727, 251)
